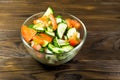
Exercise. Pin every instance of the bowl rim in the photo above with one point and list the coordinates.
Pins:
(79, 20)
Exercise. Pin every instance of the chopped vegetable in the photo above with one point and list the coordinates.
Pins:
(46, 37)
(48, 11)
(48, 51)
(55, 49)
(61, 29)
(52, 34)
(67, 48)
(59, 19)
(27, 33)
(49, 31)
(54, 23)
(60, 42)
(38, 39)
(36, 21)
(71, 32)
(39, 26)
(35, 45)
(73, 23)
(74, 40)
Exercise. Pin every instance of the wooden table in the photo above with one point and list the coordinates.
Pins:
(98, 59)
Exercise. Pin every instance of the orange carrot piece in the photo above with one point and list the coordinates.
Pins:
(27, 33)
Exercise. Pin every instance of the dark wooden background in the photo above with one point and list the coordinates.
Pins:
(98, 59)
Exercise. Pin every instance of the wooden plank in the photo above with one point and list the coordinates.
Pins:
(96, 17)
(98, 58)
(99, 55)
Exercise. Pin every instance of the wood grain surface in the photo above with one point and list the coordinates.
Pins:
(98, 59)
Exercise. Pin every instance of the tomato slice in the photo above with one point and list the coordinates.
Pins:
(68, 21)
(73, 23)
(46, 37)
(54, 23)
(27, 33)
(38, 39)
(73, 40)
(41, 37)
(35, 45)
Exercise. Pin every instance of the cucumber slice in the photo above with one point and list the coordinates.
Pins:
(41, 50)
(61, 29)
(50, 33)
(62, 42)
(58, 20)
(59, 50)
(70, 32)
(67, 48)
(65, 37)
(48, 51)
(49, 29)
(54, 49)
(55, 42)
(39, 27)
(59, 42)
(45, 43)
(48, 11)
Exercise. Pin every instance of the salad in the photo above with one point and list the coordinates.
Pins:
(52, 34)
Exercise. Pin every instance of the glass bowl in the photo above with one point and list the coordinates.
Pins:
(52, 59)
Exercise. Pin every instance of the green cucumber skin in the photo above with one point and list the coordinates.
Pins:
(55, 42)
(39, 27)
(67, 48)
(54, 49)
(59, 50)
(50, 33)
